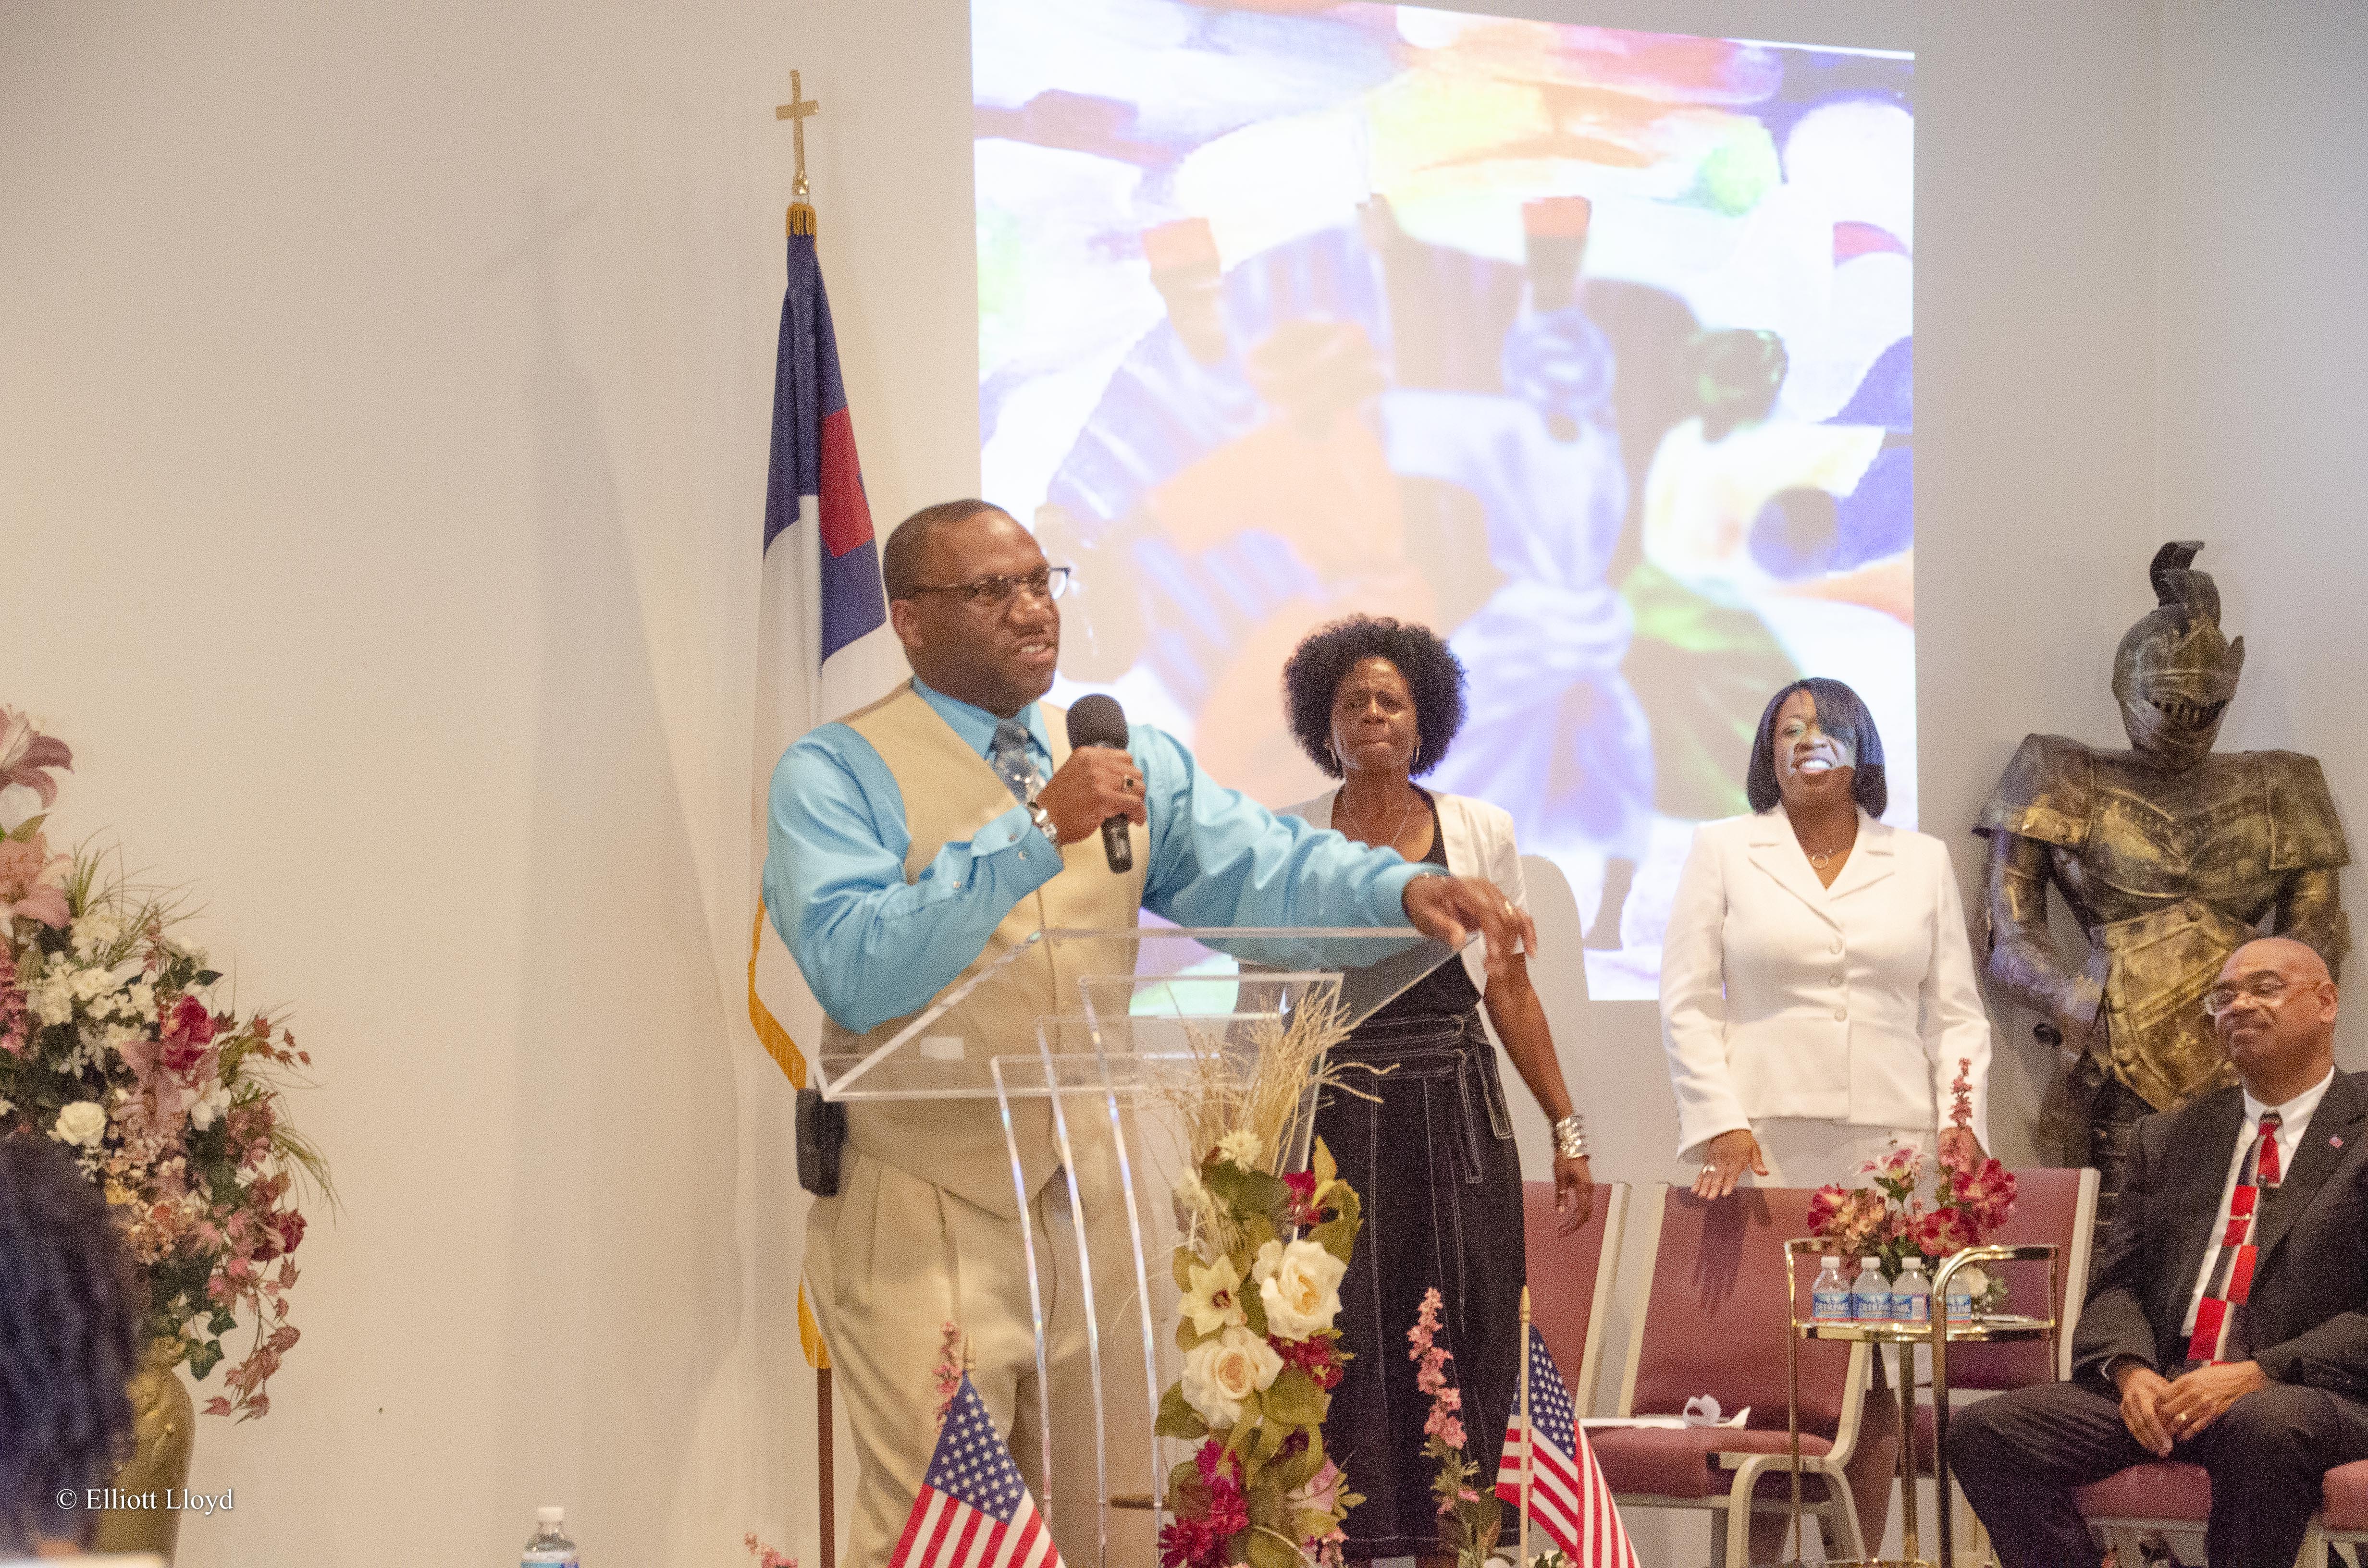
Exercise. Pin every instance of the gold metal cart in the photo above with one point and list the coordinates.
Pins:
(1939, 1333)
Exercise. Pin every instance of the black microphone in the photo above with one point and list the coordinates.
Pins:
(1098, 721)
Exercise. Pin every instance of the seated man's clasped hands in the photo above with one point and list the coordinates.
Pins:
(2228, 1321)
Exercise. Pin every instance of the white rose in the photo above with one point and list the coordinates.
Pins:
(1301, 1288)
(83, 1122)
(1220, 1373)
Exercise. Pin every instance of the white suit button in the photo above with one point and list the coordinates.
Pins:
(1842, 1013)
(1833, 979)
(1837, 947)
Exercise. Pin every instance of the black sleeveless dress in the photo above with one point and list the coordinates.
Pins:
(1435, 1166)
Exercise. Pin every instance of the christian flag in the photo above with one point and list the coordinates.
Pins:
(1569, 1496)
(821, 581)
(974, 1510)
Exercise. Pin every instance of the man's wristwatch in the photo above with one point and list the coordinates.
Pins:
(1570, 1137)
(1043, 819)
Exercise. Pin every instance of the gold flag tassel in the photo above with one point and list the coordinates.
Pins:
(769, 1032)
(802, 212)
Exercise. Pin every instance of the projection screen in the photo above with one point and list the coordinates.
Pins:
(1590, 349)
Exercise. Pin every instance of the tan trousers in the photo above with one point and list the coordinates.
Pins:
(892, 1259)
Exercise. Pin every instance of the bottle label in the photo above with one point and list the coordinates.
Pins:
(547, 1557)
(1830, 1305)
(1873, 1306)
(1916, 1308)
(1960, 1306)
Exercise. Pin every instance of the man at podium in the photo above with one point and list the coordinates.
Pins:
(915, 842)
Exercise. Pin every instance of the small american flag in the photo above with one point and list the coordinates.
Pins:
(1569, 1496)
(974, 1510)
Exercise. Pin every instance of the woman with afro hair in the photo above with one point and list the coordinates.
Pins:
(1376, 702)
(71, 1313)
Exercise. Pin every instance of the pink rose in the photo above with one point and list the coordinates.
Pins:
(188, 1030)
(189, 1022)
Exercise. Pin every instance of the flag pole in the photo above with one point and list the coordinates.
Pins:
(1529, 1437)
(800, 219)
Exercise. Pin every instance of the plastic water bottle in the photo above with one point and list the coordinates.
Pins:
(549, 1546)
(1830, 1296)
(1962, 1290)
(1911, 1295)
(1869, 1297)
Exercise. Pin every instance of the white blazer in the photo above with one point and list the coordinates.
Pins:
(1782, 997)
(1479, 844)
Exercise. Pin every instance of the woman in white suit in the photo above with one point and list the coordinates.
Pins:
(1428, 1144)
(1817, 990)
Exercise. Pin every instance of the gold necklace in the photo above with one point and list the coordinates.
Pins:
(1820, 858)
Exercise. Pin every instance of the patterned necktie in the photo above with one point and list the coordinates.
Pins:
(1008, 755)
(2232, 1271)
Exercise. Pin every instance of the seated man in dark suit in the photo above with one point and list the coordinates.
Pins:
(2226, 1324)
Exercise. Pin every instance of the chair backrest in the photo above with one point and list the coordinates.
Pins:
(1712, 1318)
(2053, 1208)
(1570, 1278)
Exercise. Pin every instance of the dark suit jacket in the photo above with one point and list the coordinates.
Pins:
(2306, 1316)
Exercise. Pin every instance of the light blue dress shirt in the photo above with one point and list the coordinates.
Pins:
(874, 946)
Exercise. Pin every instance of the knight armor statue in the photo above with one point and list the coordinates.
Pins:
(2171, 856)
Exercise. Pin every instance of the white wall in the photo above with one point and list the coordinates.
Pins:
(382, 424)
(2263, 335)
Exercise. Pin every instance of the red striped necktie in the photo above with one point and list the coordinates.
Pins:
(2232, 1271)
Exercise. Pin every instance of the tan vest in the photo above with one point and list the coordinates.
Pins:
(950, 793)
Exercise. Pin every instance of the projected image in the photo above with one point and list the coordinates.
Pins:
(1589, 348)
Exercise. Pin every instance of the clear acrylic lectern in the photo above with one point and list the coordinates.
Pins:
(1084, 1043)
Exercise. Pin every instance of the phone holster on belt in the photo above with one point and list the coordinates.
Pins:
(822, 1133)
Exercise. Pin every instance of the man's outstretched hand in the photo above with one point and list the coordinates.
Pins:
(1451, 908)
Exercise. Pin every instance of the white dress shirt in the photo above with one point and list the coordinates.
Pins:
(1783, 997)
(2293, 1120)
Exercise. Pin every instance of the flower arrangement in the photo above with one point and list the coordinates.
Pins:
(1476, 1516)
(1260, 1266)
(1883, 1216)
(114, 1042)
(767, 1556)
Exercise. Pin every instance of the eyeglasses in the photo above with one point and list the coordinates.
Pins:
(994, 593)
(2268, 989)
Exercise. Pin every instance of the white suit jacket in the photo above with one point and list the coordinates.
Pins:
(1781, 996)
(1479, 844)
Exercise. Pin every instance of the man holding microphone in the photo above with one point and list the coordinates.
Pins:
(914, 843)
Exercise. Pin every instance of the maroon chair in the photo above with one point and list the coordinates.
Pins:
(2053, 1207)
(1570, 1279)
(2342, 1516)
(1711, 1317)
(2170, 1496)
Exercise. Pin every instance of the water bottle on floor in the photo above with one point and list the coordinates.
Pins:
(549, 1546)
(1829, 1294)
(1870, 1296)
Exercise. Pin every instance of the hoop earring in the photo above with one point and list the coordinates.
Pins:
(1414, 764)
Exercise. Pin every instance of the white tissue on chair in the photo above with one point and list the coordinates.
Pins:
(1700, 1411)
